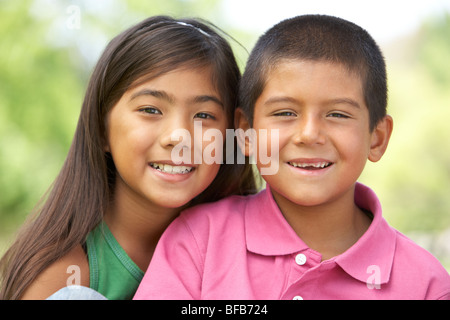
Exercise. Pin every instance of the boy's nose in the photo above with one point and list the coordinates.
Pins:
(309, 131)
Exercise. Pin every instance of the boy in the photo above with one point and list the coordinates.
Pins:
(314, 232)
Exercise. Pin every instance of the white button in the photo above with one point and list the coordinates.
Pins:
(300, 259)
(297, 298)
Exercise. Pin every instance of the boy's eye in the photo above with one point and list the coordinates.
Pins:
(150, 110)
(284, 114)
(338, 115)
(204, 115)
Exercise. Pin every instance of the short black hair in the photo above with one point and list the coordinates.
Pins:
(318, 38)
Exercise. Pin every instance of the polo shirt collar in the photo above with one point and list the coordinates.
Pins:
(269, 234)
(374, 251)
(267, 231)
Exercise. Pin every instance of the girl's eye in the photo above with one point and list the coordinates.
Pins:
(204, 115)
(150, 110)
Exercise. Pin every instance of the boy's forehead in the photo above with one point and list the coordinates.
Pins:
(318, 78)
(312, 69)
(287, 63)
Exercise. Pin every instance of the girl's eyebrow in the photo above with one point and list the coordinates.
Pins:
(206, 98)
(154, 93)
(171, 99)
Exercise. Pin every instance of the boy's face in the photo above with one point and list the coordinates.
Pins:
(324, 136)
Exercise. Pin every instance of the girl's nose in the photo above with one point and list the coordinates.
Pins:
(176, 130)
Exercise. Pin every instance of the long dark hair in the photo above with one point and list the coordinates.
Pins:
(77, 200)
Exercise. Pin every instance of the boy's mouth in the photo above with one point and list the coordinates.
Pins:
(171, 169)
(310, 165)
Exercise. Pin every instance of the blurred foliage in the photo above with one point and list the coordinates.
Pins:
(413, 178)
(45, 64)
(47, 53)
(40, 97)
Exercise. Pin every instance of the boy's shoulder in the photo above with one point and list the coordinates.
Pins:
(409, 258)
(416, 256)
(414, 264)
(226, 208)
(215, 217)
(208, 224)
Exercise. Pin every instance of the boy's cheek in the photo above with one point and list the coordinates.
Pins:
(267, 151)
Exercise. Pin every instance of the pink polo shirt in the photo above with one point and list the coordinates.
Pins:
(243, 248)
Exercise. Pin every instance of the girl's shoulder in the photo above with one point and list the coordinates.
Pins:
(73, 268)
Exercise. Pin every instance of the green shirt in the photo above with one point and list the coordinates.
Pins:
(112, 272)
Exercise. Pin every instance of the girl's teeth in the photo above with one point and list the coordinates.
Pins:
(167, 168)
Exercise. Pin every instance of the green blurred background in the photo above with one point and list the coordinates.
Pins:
(48, 49)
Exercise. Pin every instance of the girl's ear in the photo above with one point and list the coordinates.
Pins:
(106, 147)
(242, 124)
(105, 138)
(380, 138)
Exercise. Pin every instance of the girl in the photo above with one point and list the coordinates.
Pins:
(118, 188)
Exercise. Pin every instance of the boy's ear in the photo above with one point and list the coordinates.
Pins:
(242, 124)
(380, 138)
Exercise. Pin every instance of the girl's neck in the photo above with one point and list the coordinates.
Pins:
(330, 228)
(137, 224)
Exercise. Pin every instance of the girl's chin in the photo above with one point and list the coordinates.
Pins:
(171, 201)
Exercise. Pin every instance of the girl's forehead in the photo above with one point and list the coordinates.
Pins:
(175, 85)
(155, 73)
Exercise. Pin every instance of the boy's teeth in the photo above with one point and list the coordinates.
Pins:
(167, 168)
(311, 165)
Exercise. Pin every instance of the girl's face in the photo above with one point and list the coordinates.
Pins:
(139, 131)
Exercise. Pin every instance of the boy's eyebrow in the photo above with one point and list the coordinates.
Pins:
(345, 101)
(154, 93)
(329, 102)
(280, 99)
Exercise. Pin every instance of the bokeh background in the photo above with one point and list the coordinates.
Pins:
(49, 47)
